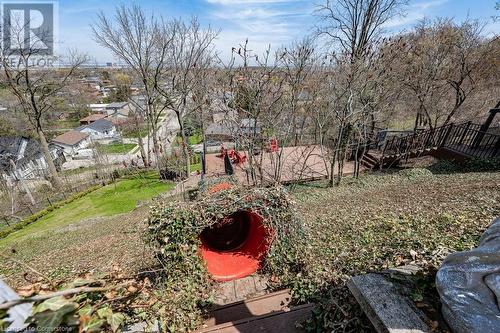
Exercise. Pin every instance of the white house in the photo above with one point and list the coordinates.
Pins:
(99, 129)
(22, 158)
(72, 141)
(118, 110)
(98, 108)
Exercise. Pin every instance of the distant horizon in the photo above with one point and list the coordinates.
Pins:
(264, 23)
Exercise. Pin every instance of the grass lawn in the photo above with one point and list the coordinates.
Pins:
(66, 124)
(117, 148)
(78, 171)
(196, 167)
(143, 132)
(76, 224)
(195, 139)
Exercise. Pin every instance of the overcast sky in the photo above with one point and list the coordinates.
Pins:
(263, 22)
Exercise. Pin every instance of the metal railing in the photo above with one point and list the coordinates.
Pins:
(472, 142)
(465, 138)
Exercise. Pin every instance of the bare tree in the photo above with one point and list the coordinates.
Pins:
(356, 25)
(443, 65)
(190, 58)
(354, 29)
(258, 88)
(137, 40)
(36, 88)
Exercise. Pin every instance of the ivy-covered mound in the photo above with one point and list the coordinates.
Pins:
(174, 230)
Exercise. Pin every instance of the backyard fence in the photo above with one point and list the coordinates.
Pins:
(15, 204)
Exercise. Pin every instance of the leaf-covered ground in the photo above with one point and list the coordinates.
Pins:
(376, 222)
(385, 221)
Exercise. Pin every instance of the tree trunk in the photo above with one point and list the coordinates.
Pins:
(140, 142)
(185, 144)
(143, 153)
(54, 176)
(156, 148)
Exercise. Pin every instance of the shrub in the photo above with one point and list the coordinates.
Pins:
(173, 233)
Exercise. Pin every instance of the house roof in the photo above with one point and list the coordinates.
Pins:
(70, 138)
(117, 105)
(93, 117)
(220, 129)
(248, 122)
(101, 125)
(18, 149)
(98, 106)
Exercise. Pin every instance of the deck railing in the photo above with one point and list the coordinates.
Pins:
(472, 142)
(462, 138)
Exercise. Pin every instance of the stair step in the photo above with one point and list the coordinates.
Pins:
(368, 163)
(275, 322)
(274, 302)
(368, 157)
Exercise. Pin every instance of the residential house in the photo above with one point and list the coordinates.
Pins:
(72, 141)
(118, 110)
(228, 116)
(249, 127)
(98, 108)
(22, 158)
(230, 130)
(138, 102)
(92, 118)
(223, 132)
(107, 90)
(99, 129)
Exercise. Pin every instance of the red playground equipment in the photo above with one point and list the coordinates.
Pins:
(235, 247)
(273, 146)
(235, 156)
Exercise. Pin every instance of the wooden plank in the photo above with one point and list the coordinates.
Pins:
(278, 322)
(258, 306)
(387, 309)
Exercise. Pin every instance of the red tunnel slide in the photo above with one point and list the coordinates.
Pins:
(235, 247)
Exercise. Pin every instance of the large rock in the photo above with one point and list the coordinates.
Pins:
(469, 285)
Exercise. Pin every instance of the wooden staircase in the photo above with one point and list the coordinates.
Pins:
(374, 159)
(270, 313)
(370, 160)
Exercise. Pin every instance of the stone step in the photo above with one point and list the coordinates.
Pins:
(387, 308)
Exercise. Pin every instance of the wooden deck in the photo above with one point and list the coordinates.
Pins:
(288, 165)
